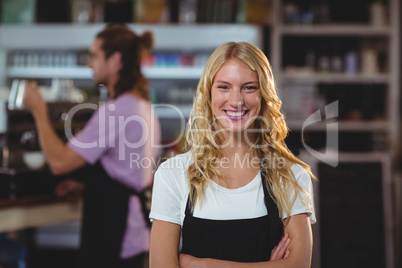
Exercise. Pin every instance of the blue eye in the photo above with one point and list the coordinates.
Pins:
(223, 87)
(250, 88)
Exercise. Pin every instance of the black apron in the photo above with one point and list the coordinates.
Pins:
(104, 221)
(243, 240)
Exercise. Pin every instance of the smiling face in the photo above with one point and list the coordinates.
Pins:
(235, 96)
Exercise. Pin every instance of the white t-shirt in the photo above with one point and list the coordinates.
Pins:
(170, 193)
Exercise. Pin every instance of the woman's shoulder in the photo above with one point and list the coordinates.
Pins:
(300, 173)
(298, 169)
(172, 173)
(176, 165)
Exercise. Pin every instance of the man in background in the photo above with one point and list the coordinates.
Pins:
(114, 228)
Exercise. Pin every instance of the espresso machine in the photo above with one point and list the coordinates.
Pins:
(23, 168)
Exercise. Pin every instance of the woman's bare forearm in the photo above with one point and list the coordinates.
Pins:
(165, 239)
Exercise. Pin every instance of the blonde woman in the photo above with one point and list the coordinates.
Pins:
(238, 197)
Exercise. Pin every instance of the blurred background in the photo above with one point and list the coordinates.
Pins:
(338, 52)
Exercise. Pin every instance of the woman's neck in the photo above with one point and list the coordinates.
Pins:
(239, 164)
(235, 145)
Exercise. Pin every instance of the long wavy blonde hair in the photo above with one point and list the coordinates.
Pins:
(204, 145)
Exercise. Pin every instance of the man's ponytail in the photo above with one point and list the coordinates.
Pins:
(147, 40)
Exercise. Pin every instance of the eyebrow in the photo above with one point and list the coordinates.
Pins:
(225, 82)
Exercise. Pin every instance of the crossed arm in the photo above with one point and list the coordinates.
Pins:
(165, 238)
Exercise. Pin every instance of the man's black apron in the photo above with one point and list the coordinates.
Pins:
(243, 240)
(104, 222)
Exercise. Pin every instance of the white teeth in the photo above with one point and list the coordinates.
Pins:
(236, 113)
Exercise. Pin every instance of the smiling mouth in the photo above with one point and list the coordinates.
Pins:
(236, 113)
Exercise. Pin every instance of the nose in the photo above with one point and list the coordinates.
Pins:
(236, 99)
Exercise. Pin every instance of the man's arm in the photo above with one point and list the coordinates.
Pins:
(60, 158)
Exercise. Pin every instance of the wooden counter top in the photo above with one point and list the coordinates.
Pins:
(37, 211)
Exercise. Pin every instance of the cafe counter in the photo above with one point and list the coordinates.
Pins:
(35, 211)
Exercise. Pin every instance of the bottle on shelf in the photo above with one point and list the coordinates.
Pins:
(188, 11)
(324, 63)
(291, 13)
(310, 61)
(336, 60)
(336, 64)
(351, 62)
(377, 14)
(82, 11)
(152, 11)
(369, 61)
(323, 13)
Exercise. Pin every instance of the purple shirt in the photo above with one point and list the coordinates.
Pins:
(122, 134)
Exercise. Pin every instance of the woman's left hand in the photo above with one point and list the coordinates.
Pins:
(190, 261)
(281, 250)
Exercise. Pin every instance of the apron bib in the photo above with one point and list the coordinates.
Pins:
(242, 240)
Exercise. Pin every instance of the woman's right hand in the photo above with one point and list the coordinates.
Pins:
(280, 251)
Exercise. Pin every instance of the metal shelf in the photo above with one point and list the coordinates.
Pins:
(390, 125)
(169, 111)
(80, 36)
(339, 30)
(336, 78)
(49, 72)
(173, 72)
(86, 73)
(342, 126)
(348, 157)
